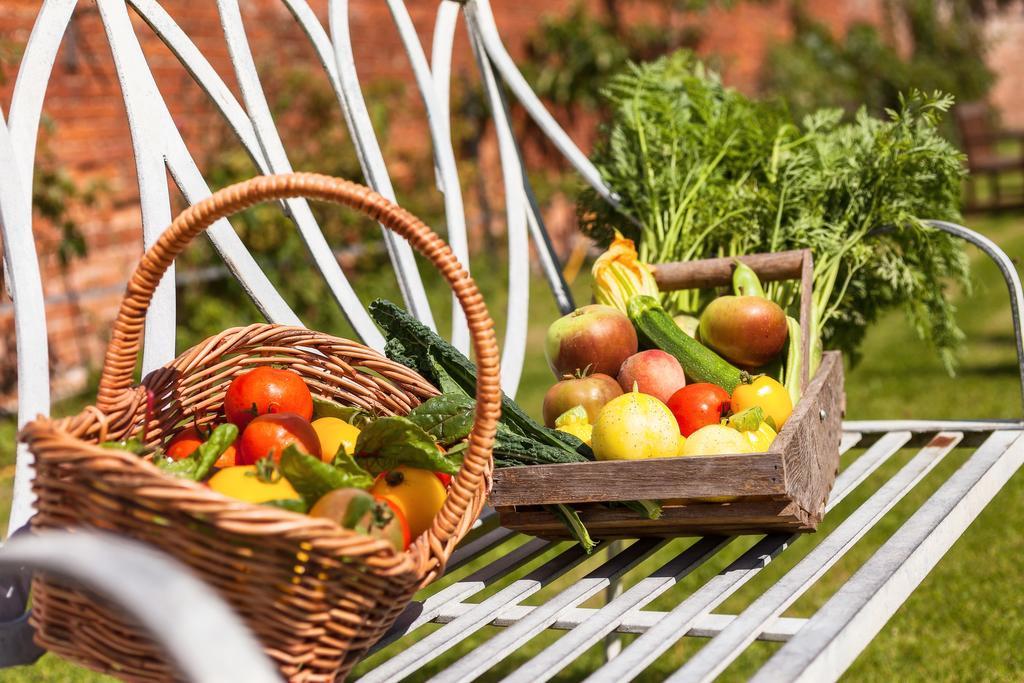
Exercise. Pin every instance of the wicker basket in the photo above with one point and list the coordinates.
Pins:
(316, 595)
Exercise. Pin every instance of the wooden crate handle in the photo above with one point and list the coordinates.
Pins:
(717, 272)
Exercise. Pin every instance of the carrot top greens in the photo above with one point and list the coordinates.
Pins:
(702, 171)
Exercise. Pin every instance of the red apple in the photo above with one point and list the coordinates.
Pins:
(653, 372)
(591, 392)
(748, 331)
(595, 337)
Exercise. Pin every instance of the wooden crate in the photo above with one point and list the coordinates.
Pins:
(782, 490)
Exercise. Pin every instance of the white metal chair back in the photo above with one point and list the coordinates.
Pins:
(159, 148)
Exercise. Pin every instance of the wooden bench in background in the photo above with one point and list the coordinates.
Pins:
(993, 156)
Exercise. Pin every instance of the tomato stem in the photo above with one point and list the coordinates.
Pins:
(266, 470)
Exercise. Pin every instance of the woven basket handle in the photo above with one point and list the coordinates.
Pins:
(470, 485)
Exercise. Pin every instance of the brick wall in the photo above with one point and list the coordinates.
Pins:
(90, 137)
(1006, 57)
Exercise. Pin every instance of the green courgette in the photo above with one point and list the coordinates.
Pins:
(699, 362)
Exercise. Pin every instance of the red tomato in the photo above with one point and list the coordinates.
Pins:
(446, 479)
(399, 519)
(271, 434)
(698, 405)
(266, 390)
(188, 440)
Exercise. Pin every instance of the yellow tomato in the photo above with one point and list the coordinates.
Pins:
(417, 493)
(767, 393)
(243, 483)
(635, 426)
(716, 440)
(334, 433)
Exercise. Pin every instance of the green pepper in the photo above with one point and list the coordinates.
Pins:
(198, 465)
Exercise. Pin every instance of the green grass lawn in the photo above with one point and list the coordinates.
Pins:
(965, 622)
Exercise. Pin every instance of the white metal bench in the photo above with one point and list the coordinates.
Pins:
(817, 648)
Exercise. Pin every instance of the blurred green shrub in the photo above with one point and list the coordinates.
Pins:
(924, 44)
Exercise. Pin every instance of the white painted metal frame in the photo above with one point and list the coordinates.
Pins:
(818, 648)
(183, 604)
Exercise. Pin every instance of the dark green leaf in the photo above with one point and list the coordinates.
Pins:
(347, 465)
(210, 450)
(312, 478)
(393, 441)
(358, 508)
(412, 343)
(448, 417)
(198, 465)
(323, 407)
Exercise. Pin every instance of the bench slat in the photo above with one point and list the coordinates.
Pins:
(843, 626)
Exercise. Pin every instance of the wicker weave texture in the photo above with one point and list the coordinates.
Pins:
(315, 594)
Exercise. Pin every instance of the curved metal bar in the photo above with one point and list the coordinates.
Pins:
(441, 59)
(480, 12)
(372, 160)
(197, 629)
(182, 166)
(205, 76)
(17, 647)
(408, 276)
(33, 77)
(277, 159)
(513, 351)
(26, 287)
(232, 250)
(549, 261)
(140, 95)
(445, 171)
(23, 280)
(1013, 284)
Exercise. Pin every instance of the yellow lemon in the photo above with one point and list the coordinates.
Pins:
(716, 440)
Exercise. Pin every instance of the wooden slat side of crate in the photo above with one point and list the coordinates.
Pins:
(810, 449)
(782, 490)
(662, 478)
(746, 517)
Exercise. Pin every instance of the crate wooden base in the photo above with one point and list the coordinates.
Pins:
(783, 490)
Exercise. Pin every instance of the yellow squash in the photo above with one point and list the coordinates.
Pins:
(575, 421)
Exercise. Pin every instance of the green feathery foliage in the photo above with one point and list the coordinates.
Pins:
(702, 171)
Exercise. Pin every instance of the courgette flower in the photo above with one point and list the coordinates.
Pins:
(619, 275)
